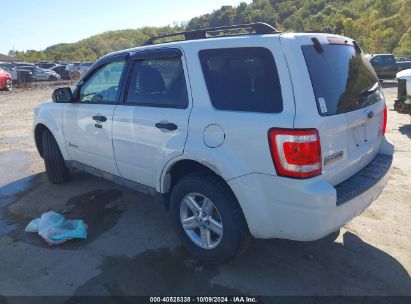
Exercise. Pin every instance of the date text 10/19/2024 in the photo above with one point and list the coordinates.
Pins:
(205, 299)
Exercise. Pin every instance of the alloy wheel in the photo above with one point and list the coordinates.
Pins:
(201, 220)
(9, 85)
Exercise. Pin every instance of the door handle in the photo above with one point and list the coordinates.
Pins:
(99, 118)
(166, 125)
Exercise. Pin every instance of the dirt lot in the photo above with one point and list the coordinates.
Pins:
(132, 249)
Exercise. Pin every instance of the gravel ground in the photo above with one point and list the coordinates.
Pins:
(132, 249)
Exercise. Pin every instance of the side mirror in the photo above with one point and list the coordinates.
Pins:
(62, 95)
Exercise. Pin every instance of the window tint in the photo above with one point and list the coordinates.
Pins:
(103, 84)
(342, 79)
(389, 59)
(158, 82)
(377, 59)
(242, 79)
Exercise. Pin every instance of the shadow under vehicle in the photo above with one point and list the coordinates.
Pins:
(116, 216)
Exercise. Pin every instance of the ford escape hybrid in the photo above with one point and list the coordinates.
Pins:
(240, 131)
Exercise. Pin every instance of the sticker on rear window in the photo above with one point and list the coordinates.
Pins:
(323, 105)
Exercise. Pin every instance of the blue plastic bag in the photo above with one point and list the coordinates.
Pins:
(55, 229)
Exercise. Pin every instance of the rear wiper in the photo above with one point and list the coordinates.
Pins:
(363, 97)
(370, 90)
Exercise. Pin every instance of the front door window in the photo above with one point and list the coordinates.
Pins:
(102, 86)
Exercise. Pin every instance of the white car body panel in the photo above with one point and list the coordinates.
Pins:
(141, 149)
(310, 204)
(233, 144)
(87, 143)
(239, 159)
(50, 115)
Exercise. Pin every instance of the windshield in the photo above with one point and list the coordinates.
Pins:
(343, 80)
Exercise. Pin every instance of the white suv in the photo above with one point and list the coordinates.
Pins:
(264, 134)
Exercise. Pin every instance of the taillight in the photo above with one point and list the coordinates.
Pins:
(384, 121)
(295, 152)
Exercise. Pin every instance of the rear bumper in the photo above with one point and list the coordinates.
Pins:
(305, 210)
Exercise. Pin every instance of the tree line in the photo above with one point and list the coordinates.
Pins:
(379, 26)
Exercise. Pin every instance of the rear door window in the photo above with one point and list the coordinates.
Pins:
(158, 82)
(342, 79)
(242, 79)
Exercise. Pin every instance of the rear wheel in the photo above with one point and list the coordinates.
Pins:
(208, 219)
(52, 78)
(9, 85)
(56, 169)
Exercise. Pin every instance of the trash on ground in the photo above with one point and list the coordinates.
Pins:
(55, 229)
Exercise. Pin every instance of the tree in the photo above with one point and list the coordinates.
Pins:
(377, 25)
(404, 47)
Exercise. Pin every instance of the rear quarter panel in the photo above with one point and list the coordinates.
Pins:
(245, 148)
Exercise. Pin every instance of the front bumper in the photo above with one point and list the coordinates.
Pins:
(306, 210)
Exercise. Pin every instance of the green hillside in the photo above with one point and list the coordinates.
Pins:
(379, 26)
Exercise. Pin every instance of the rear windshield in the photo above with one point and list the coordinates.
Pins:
(343, 80)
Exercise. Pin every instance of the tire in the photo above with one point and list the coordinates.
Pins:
(235, 237)
(9, 85)
(56, 169)
(52, 78)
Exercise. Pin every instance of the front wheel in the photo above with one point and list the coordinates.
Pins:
(208, 218)
(56, 169)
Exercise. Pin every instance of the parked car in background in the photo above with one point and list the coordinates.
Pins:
(384, 65)
(403, 64)
(5, 80)
(22, 64)
(11, 70)
(270, 134)
(403, 102)
(62, 71)
(83, 67)
(46, 65)
(18, 73)
(24, 76)
(72, 69)
(40, 74)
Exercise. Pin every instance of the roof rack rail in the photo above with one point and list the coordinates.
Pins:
(316, 31)
(258, 27)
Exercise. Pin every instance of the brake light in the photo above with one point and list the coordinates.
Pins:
(384, 121)
(337, 41)
(296, 153)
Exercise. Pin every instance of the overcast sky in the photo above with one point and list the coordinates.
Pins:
(28, 24)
